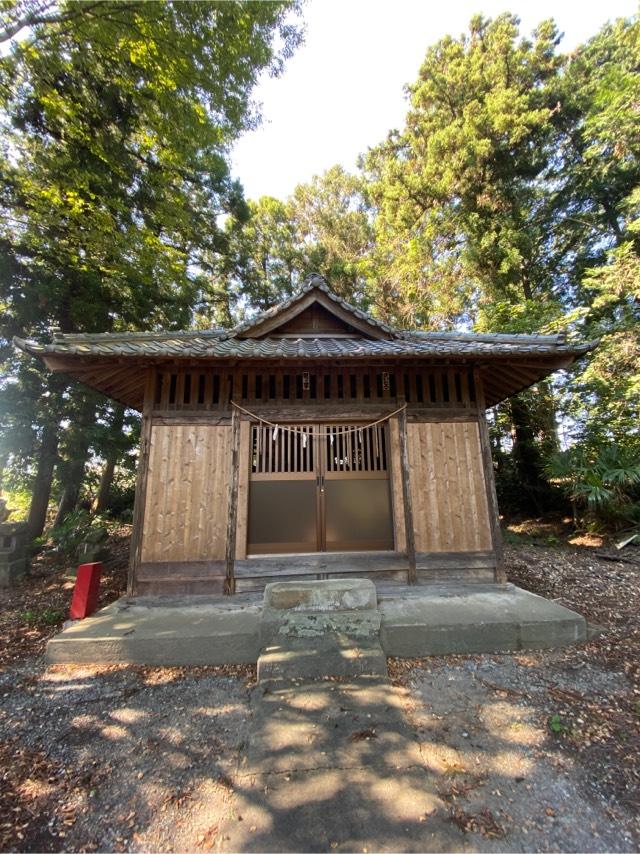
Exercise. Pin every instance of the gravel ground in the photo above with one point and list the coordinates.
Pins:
(121, 758)
(508, 779)
(532, 752)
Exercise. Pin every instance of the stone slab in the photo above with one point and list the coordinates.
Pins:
(461, 620)
(337, 594)
(359, 625)
(184, 633)
(326, 723)
(336, 766)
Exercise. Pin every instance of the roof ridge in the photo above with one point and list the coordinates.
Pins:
(313, 280)
(558, 337)
(160, 333)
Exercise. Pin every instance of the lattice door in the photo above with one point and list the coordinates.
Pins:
(319, 487)
(283, 500)
(356, 501)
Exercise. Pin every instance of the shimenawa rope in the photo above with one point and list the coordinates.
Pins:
(297, 429)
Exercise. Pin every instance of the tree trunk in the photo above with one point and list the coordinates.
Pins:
(526, 456)
(73, 481)
(106, 479)
(41, 491)
(78, 452)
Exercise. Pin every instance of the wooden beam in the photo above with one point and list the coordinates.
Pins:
(489, 479)
(140, 500)
(230, 581)
(412, 575)
(173, 419)
(436, 414)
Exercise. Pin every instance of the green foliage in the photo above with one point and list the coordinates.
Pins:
(77, 529)
(121, 498)
(508, 201)
(458, 188)
(116, 123)
(18, 501)
(556, 725)
(603, 483)
(44, 617)
(119, 124)
(325, 226)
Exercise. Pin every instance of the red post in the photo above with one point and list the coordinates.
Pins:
(85, 593)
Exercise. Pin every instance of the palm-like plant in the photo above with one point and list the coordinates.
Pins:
(603, 484)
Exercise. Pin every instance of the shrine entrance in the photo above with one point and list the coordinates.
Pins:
(319, 488)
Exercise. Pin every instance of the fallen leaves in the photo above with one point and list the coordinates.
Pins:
(34, 610)
(206, 839)
(30, 783)
(601, 727)
(363, 735)
(483, 822)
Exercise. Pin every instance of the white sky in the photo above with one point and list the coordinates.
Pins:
(343, 89)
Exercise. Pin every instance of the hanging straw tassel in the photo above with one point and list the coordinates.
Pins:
(343, 431)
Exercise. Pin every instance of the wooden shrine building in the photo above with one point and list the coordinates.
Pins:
(310, 440)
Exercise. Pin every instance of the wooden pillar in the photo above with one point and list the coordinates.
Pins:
(412, 575)
(242, 502)
(230, 581)
(489, 479)
(135, 548)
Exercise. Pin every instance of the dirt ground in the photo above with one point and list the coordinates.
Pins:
(536, 751)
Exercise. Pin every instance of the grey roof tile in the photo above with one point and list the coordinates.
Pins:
(226, 344)
(198, 346)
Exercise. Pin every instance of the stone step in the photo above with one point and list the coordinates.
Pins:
(358, 626)
(315, 629)
(339, 594)
(293, 659)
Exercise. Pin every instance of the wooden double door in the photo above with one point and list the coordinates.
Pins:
(319, 487)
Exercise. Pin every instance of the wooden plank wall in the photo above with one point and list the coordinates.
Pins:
(448, 489)
(395, 483)
(187, 493)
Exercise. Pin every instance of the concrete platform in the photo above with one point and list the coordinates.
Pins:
(414, 621)
(188, 630)
(491, 618)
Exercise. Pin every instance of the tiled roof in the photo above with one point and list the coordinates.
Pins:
(237, 343)
(213, 345)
